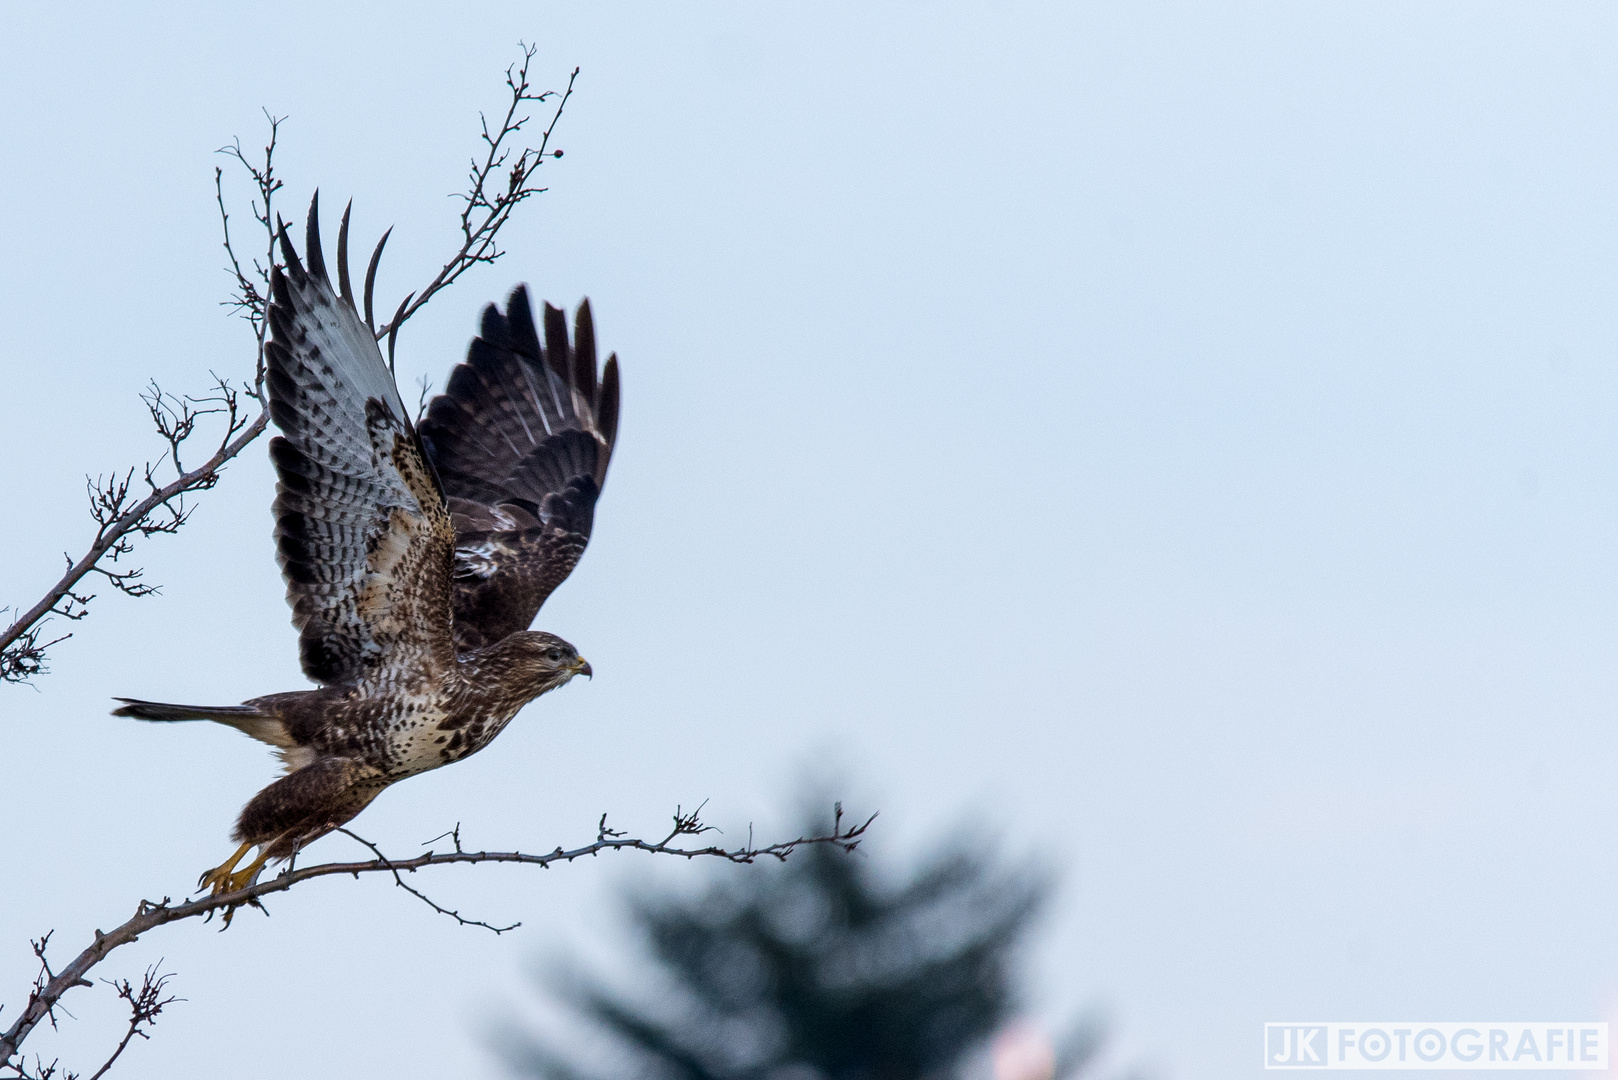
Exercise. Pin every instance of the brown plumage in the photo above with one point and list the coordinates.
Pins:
(521, 438)
(414, 559)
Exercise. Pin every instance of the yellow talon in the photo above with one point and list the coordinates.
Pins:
(244, 877)
(225, 878)
(218, 879)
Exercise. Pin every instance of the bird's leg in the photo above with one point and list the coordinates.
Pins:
(244, 877)
(218, 878)
(226, 878)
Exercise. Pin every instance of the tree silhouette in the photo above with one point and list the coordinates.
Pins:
(814, 968)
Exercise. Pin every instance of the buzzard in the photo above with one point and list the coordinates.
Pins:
(415, 555)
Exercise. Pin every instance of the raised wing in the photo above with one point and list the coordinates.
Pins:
(521, 438)
(362, 531)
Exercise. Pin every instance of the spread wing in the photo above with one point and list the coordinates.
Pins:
(362, 532)
(521, 438)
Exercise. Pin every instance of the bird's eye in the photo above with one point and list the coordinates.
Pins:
(554, 656)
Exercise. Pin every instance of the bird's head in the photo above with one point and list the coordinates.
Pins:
(543, 661)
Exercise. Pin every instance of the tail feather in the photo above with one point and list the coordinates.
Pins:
(157, 710)
(261, 725)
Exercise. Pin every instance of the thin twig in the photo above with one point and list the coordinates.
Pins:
(252, 294)
(423, 897)
(144, 1005)
(488, 205)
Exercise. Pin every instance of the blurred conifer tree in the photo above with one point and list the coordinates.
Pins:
(812, 969)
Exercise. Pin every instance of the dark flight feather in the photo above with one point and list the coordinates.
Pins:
(370, 277)
(343, 288)
(521, 438)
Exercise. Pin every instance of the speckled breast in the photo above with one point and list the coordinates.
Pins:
(434, 738)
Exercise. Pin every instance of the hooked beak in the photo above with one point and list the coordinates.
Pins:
(582, 667)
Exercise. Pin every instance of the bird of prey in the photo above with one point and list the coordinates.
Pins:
(415, 556)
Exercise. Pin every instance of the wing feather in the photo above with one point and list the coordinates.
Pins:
(521, 439)
(363, 532)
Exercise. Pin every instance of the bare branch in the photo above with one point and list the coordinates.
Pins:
(252, 294)
(426, 386)
(488, 200)
(50, 986)
(144, 1005)
(423, 897)
(119, 515)
(24, 655)
(117, 519)
(18, 1070)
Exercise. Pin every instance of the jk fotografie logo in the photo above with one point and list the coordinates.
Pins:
(1408, 1044)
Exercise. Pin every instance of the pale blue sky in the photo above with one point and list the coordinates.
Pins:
(1185, 433)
